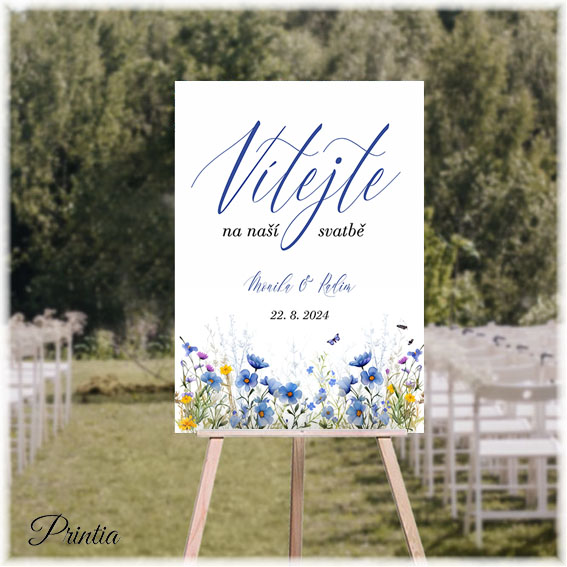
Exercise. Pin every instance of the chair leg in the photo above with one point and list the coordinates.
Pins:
(532, 493)
(21, 437)
(415, 445)
(453, 478)
(429, 460)
(513, 476)
(468, 507)
(478, 503)
(541, 480)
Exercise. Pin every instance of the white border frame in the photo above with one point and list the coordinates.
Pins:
(18, 5)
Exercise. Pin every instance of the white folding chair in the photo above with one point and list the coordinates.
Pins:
(535, 445)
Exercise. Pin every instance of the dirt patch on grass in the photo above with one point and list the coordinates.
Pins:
(109, 387)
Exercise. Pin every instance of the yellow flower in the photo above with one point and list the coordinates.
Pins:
(390, 388)
(187, 423)
(410, 398)
(186, 398)
(226, 370)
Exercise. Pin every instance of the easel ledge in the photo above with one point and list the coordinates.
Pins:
(383, 439)
(222, 433)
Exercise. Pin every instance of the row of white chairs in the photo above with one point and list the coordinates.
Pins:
(491, 421)
(40, 380)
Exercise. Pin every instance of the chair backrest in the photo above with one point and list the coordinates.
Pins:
(549, 373)
(517, 393)
(518, 373)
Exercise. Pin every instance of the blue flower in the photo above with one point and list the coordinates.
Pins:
(212, 380)
(237, 419)
(234, 419)
(345, 384)
(289, 393)
(246, 380)
(355, 413)
(321, 396)
(375, 410)
(332, 382)
(335, 419)
(273, 385)
(310, 370)
(328, 412)
(245, 411)
(311, 406)
(264, 414)
(371, 378)
(256, 362)
(415, 354)
(384, 417)
(189, 349)
(361, 360)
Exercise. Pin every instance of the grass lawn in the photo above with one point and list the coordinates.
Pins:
(121, 465)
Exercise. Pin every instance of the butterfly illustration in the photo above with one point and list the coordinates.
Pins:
(335, 339)
(402, 327)
(410, 341)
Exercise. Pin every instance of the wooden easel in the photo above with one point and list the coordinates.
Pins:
(214, 448)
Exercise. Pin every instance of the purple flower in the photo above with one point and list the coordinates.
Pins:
(210, 368)
(410, 383)
(403, 360)
(202, 355)
(405, 370)
(387, 371)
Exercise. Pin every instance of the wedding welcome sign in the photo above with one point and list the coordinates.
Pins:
(299, 255)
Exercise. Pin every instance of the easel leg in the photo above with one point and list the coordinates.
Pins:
(401, 499)
(203, 499)
(296, 506)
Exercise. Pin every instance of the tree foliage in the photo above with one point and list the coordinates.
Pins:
(91, 145)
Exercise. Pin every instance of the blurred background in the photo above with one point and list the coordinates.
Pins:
(91, 299)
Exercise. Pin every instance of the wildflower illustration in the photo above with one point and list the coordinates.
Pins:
(371, 391)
